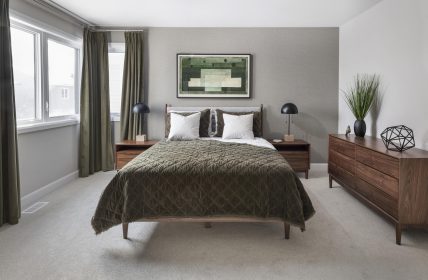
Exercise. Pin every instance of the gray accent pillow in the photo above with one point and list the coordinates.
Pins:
(203, 126)
(257, 122)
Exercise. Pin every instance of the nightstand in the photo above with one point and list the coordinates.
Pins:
(127, 150)
(297, 154)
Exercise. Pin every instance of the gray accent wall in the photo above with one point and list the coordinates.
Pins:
(298, 65)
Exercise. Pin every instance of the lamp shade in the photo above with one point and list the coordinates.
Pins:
(289, 108)
(140, 108)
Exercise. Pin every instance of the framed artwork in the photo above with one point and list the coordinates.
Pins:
(213, 75)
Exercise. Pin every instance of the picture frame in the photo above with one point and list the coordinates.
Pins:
(214, 75)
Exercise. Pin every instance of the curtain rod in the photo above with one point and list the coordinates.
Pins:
(96, 28)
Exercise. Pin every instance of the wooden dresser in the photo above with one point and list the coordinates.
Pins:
(393, 183)
(127, 150)
(297, 153)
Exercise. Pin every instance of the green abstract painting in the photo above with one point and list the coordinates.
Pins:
(213, 75)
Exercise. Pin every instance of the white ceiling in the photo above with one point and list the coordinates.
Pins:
(217, 13)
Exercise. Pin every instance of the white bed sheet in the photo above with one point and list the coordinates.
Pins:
(257, 141)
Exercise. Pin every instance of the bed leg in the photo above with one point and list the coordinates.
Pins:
(207, 225)
(125, 230)
(287, 230)
(330, 181)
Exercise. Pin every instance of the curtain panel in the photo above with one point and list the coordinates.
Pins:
(133, 86)
(10, 203)
(96, 148)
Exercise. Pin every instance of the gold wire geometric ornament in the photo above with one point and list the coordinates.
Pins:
(398, 138)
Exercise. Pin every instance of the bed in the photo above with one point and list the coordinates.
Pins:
(205, 180)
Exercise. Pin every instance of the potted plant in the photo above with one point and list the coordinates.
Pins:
(360, 99)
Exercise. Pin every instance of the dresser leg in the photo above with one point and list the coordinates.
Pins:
(287, 230)
(307, 174)
(330, 181)
(398, 230)
(125, 230)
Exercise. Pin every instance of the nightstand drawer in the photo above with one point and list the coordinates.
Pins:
(129, 153)
(123, 158)
(128, 150)
(298, 160)
(297, 153)
(122, 162)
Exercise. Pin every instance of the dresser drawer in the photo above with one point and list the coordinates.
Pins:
(341, 146)
(341, 175)
(378, 179)
(377, 197)
(381, 162)
(341, 160)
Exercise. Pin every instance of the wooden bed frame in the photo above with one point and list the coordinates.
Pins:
(208, 220)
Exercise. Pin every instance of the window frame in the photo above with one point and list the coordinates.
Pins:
(77, 61)
(38, 116)
(41, 74)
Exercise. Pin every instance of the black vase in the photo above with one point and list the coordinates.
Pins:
(360, 128)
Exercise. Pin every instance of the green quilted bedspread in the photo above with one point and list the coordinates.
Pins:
(204, 178)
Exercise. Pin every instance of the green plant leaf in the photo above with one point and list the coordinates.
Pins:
(361, 96)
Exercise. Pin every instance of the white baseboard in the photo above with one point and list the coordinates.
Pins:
(33, 197)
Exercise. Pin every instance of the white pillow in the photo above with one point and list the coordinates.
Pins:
(238, 127)
(184, 127)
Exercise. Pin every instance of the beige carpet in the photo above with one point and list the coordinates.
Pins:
(344, 240)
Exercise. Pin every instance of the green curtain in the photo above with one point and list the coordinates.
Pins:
(10, 203)
(133, 86)
(96, 148)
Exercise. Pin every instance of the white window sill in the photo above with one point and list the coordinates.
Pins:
(115, 118)
(28, 128)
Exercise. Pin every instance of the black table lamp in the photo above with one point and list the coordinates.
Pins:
(140, 109)
(289, 109)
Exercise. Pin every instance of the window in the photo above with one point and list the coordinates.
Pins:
(46, 68)
(116, 62)
(62, 79)
(27, 95)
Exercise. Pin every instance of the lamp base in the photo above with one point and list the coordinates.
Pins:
(289, 138)
(142, 138)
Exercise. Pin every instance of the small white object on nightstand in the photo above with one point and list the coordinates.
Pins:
(142, 137)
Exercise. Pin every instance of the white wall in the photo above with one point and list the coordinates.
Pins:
(46, 157)
(390, 39)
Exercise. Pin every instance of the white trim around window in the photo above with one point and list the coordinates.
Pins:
(43, 35)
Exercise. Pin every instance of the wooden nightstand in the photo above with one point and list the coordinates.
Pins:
(297, 153)
(127, 150)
